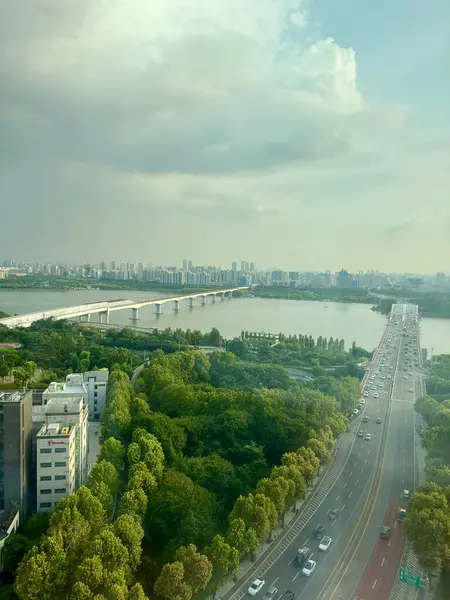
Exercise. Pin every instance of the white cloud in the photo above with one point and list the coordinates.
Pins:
(203, 112)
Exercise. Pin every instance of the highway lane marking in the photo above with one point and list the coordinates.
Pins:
(291, 561)
(365, 462)
(362, 470)
(357, 481)
(295, 577)
(345, 484)
(351, 473)
(374, 584)
(350, 495)
(395, 524)
(382, 562)
(344, 505)
(337, 498)
(372, 508)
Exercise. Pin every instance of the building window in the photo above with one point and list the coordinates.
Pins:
(45, 451)
(45, 465)
(60, 477)
(60, 464)
(60, 490)
(46, 477)
(45, 505)
(60, 450)
(46, 492)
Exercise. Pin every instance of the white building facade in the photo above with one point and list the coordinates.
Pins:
(96, 383)
(56, 466)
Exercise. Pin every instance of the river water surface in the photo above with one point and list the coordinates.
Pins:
(352, 322)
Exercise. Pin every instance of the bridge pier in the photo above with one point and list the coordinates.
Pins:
(88, 317)
(135, 314)
(191, 302)
(213, 298)
(158, 309)
(104, 317)
(203, 300)
(176, 305)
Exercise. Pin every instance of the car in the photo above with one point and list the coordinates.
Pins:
(355, 411)
(362, 401)
(381, 384)
(411, 373)
(377, 372)
(376, 395)
(422, 432)
(385, 532)
(360, 433)
(366, 394)
(288, 595)
(302, 556)
(271, 593)
(406, 494)
(366, 419)
(309, 568)
(411, 389)
(389, 376)
(368, 436)
(401, 514)
(319, 532)
(378, 420)
(325, 543)
(255, 587)
(405, 377)
(333, 514)
(374, 387)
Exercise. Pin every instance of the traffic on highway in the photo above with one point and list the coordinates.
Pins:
(351, 545)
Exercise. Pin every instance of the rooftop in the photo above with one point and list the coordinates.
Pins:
(12, 395)
(54, 429)
(73, 385)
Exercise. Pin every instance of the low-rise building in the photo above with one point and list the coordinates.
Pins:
(56, 464)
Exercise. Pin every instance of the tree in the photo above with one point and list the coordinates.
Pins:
(197, 567)
(91, 571)
(81, 591)
(134, 502)
(279, 490)
(105, 472)
(244, 539)
(112, 450)
(136, 593)
(150, 452)
(111, 551)
(224, 557)
(129, 530)
(171, 584)
(14, 549)
(44, 572)
(140, 477)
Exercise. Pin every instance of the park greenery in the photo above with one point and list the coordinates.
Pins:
(428, 521)
(194, 473)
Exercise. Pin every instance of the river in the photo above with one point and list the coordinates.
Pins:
(351, 322)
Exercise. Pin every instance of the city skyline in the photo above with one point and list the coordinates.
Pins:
(294, 132)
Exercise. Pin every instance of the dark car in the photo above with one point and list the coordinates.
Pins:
(302, 556)
(333, 514)
(288, 595)
(319, 532)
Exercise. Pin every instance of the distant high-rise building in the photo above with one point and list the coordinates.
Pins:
(252, 267)
(112, 266)
(189, 265)
(234, 266)
(185, 265)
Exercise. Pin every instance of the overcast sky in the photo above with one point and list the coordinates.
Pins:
(299, 134)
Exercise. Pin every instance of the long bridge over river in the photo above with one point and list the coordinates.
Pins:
(105, 308)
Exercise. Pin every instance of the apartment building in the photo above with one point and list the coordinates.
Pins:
(56, 464)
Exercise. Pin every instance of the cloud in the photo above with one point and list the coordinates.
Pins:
(195, 113)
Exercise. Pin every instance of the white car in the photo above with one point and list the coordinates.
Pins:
(411, 390)
(255, 587)
(389, 376)
(355, 411)
(368, 436)
(406, 494)
(362, 401)
(366, 394)
(309, 568)
(411, 373)
(325, 544)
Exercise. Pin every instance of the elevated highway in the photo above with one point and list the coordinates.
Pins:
(105, 308)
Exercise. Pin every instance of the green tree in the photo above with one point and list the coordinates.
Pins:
(105, 472)
(113, 451)
(134, 502)
(81, 591)
(197, 567)
(129, 530)
(136, 593)
(140, 477)
(171, 584)
(224, 557)
(244, 539)
(15, 548)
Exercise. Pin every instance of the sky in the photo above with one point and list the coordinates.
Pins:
(299, 134)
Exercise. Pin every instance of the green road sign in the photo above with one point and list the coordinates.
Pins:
(409, 577)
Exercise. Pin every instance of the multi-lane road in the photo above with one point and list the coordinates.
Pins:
(368, 490)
